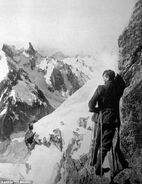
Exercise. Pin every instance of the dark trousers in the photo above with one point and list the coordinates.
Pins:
(103, 144)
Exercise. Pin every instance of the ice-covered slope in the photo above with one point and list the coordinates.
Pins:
(66, 118)
(72, 120)
(32, 86)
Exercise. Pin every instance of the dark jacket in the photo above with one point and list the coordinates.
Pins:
(107, 98)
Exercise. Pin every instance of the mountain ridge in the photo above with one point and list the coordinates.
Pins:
(35, 85)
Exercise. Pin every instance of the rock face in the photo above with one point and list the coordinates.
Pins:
(130, 65)
(21, 102)
(65, 75)
(33, 88)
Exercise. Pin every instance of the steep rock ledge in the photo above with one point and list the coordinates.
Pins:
(130, 65)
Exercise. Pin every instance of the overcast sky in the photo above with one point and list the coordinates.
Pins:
(72, 26)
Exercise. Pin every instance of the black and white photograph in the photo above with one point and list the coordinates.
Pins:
(70, 91)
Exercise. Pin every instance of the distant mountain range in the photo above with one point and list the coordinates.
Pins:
(36, 85)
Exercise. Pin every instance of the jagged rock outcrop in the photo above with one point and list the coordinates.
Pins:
(21, 102)
(130, 65)
(31, 50)
(24, 95)
(77, 171)
(34, 87)
(65, 75)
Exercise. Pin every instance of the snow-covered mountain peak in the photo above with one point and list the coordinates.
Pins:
(81, 67)
(37, 83)
(81, 64)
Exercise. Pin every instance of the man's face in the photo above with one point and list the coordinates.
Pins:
(105, 78)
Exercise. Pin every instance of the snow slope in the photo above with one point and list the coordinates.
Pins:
(44, 161)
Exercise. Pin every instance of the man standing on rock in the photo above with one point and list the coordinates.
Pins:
(106, 97)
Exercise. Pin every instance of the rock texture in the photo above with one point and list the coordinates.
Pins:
(33, 88)
(67, 151)
(130, 65)
(65, 75)
(21, 99)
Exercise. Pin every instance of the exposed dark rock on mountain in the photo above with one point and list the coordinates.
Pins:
(30, 91)
(77, 171)
(21, 102)
(7, 49)
(130, 65)
(57, 80)
(62, 77)
(31, 50)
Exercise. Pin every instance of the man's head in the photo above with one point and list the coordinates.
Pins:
(108, 75)
(31, 126)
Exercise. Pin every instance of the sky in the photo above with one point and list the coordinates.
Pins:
(71, 26)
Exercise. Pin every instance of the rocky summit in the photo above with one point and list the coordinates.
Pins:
(35, 85)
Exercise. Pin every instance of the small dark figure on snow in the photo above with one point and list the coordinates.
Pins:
(31, 138)
(106, 97)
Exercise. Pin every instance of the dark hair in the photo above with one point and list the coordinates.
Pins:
(31, 126)
(109, 74)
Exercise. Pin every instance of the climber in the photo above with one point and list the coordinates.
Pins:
(31, 138)
(106, 97)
